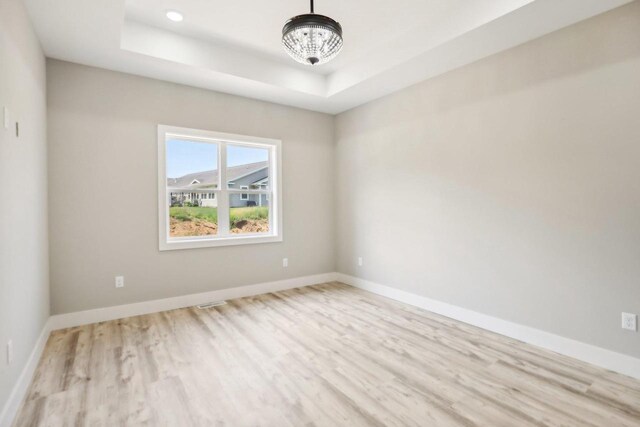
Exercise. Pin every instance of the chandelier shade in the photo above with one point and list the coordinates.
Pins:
(311, 38)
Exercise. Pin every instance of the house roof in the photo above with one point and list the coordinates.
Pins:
(209, 178)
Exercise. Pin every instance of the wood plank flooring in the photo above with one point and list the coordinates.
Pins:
(326, 355)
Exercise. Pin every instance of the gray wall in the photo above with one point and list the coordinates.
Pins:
(510, 186)
(24, 283)
(103, 180)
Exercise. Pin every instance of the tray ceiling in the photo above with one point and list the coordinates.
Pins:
(234, 47)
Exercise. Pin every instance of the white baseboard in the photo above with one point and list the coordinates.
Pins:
(12, 405)
(68, 320)
(598, 356)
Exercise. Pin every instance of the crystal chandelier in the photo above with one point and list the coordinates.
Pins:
(312, 39)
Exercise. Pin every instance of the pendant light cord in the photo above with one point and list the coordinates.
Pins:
(312, 6)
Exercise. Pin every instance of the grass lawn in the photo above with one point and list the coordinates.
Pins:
(211, 214)
(188, 214)
(240, 214)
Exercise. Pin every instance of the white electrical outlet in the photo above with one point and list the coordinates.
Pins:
(9, 352)
(359, 261)
(119, 281)
(630, 321)
(285, 262)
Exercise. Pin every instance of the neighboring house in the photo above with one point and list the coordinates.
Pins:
(252, 176)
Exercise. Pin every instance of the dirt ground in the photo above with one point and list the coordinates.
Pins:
(196, 227)
(199, 227)
(252, 226)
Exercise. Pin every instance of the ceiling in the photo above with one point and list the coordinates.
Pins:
(234, 46)
(256, 26)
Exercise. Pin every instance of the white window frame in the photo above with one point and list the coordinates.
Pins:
(224, 237)
(244, 196)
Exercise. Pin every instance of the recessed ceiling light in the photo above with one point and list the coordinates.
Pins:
(174, 16)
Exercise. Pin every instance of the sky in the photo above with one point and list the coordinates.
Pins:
(184, 157)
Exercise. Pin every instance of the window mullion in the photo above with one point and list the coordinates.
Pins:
(223, 201)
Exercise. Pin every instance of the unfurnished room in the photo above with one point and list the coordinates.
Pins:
(319, 213)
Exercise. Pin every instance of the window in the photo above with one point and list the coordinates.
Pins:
(217, 189)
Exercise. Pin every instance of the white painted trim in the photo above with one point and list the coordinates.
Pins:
(68, 320)
(19, 391)
(598, 356)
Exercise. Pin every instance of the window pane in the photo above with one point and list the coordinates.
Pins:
(247, 167)
(251, 219)
(191, 165)
(192, 169)
(193, 214)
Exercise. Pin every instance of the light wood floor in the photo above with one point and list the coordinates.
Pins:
(327, 355)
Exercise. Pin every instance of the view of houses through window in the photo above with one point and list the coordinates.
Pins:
(196, 198)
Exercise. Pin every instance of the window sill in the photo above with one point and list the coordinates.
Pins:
(208, 242)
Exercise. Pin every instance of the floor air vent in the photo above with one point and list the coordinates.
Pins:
(211, 304)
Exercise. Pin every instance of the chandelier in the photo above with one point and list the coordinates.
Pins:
(312, 39)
